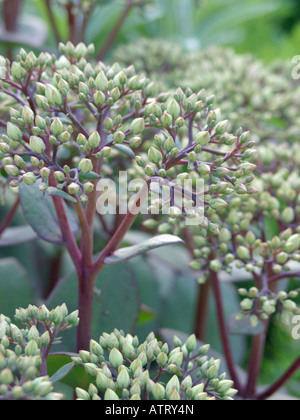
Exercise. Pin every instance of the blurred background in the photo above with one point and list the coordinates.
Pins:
(270, 29)
(267, 29)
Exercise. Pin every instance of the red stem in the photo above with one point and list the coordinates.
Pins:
(224, 331)
(114, 33)
(280, 383)
(7, 220)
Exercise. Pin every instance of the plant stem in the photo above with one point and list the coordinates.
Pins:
(224, 331)
(11, 10)
(52, 21)
(85, 307)
(114, 33)
(9, 216)
(280, 383)
(257, 352)
(202, 308)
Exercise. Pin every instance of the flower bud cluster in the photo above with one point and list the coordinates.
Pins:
(125, 369)
(22, 351)
(80, 117)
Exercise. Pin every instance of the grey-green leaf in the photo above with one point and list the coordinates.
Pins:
(125, 254)
(58, 193)
(17, 235)
(62, 373)
(39, 211)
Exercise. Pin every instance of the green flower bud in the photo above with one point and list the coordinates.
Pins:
(123, 379)
(173, 109)
(82, 395)
(110, 396)
(29, 178)
(191, 343)
(135, 142)
(6, 377)
(37, 145)
(202, 138)
(158, 392)
(11, 170)
(224, 386)
(119, 137)
(222, 127)
(57, 127)
(218, 204)
(99, 98)
(59, 176)
(73, 188)
(166, 119)
(115, 358)
(203, 169)
(243, 253)
(17, 71)
(53, 95)
(154, 155)
(288, 215)
(216, 265)
(14, 132)
(247, 305)
(137, 126)
(85, 166)
(101, 82)
(32, 349)
(94, 140)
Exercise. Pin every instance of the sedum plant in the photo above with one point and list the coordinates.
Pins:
(124, 369)
(69, 123)
(263, 99)
(118, 366)
(24, 352)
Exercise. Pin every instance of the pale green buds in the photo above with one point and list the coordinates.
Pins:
(202, 138)
(57, 127)
(99, 98)
(110, 395)
(85, 166)
(14, 132)
(288, 215)
(115, 358)
(222, 127)
(6, 377)
(73, 188)
(247, 304)
(94, 140)
(191, 344)
(216, 265)
(243, 253)
(137, 126)
(37, 145)
(53, 95)
(173, 109)
(218, 204)
(123, 378)
(101, 82)
(154, 155)
(158, 392)
(11, 170)
(29, 178)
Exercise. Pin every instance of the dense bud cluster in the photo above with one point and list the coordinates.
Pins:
(260, 236)
(124, 369)
(71, 121)
(263, 99)
(23, 351)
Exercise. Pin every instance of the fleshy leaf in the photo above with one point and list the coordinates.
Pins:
(127, 253)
